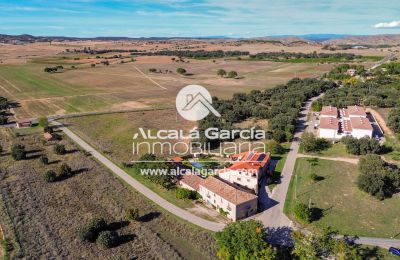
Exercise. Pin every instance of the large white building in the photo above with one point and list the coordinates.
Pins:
(337, 123)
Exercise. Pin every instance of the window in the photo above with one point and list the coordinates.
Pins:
(229, 207)
(239, 179)
(248, 180)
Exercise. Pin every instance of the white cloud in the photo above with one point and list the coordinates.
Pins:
(393, 24)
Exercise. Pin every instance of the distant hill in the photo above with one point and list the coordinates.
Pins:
(383, 39)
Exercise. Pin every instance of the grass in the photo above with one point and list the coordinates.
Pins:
(394, 145)
(343, 206)
(276, 175)
(336, 150)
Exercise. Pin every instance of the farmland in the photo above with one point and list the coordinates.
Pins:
(41, 219)
(340, 201)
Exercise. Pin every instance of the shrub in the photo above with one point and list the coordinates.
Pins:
(232, 74)
(312, 144)
(50, 176)
(48, 129)
(64, 171)
(18, 152)
(221, 73)
(302, 212)
(107, 239)
(314, 176)
(182, 193)
(275, 147)
(43, 122)
(98, 224)
(181, 71)
(44, 159)
(60, 149)
(7, 245)
(132, 214)
(361, 146)
(87, 234)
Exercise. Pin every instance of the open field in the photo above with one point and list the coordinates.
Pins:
(131, 85)
(344, 207)
(41, 219)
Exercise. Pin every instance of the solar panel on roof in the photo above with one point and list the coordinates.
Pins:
(261, 157)
(250, 156)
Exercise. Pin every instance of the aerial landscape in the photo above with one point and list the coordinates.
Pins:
(184, 129)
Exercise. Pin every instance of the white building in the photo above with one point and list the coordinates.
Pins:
(348, 121)
(236, 203)
(247, 170)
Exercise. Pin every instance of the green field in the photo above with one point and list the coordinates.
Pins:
(336, 150)
(344, 207)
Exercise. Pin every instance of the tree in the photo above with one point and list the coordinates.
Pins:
(304, 246)
(87, 234)
(181, 71)
(221, 73)
(302, 212)
(132, 214)
(107, 239)
(18, 152)
(242, 240)
(394, 120)
(182, 193)
(312, 144)
(3, 120)
(43, 121)
(50, 176)
(60, 149)
(232, 74)
(44, 159)
(275, 147)
(64, 171)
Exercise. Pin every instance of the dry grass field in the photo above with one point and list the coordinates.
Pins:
(41, 219)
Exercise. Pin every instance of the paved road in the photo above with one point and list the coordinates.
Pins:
(339, 159)
(384, 60)
(273, 217)
(182, 213)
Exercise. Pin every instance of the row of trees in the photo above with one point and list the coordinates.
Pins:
(301, 55)
(231, 74)
(4, 106)
(361, 146)
(281, 105)
(248, 240)
(53, 69)
(377, 177)
(198, 54)
(339, 72)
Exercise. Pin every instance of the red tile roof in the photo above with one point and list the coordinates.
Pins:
(329, 111)
(192, 180)
(356, 111)
(226, 191)
(251, 160)
(347, 126)
(360, 123)
(329, 123)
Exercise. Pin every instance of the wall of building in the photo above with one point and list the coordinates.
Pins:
(218, 202)
(359, 133)
(244, 179)
(328, 133)
(247, 209)
(184, 185)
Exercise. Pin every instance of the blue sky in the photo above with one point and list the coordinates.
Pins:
(248, 18)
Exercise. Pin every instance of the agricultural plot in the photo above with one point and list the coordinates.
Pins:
(341, 205)
(41, 219)
(131, 85)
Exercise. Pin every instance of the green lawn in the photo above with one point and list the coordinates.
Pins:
(394, 145)
(279, 166)
(336, 150)
(345, 208)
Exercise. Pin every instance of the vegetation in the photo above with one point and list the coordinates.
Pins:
(44, 159)
(181, 71)
(279, 105)
(60, 149)
(132, 214)
(361, 146)
(18, 152)
(244, 240)
(182, 193)
(378, 178)
(311, 57)
(107, 239)
(302, 212)
(221, 73)
(50, 176)
(43, 122)
(53, 69)
(64, 171)
(340, 72)
(232, 74)
(199, 54)
(312, 144)
(394, 120)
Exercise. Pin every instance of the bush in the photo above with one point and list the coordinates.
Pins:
(98, 224)
(60, 149)
(7, 245)
(314, 176)
(43, 122)
(232, 74)
(181, 71)
(394, 120)
(50, 176)
(182, 193)
(107, 239)
(48, 129)
(18, 152)
(312, 144)
(87, 234)
(44, 159)
(361, 146)
(275, 147)
(302, 212)
(221, 73)
(64, 171)
(132, 214)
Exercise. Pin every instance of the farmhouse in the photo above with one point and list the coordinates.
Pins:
(247, 170)
(337, 123)
(191, 181)
(26, 123)
(237, 204)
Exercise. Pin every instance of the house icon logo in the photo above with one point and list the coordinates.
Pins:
(193, 103)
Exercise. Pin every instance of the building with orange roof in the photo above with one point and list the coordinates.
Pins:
(191, 181)
(237, 204)
(247, 169)
(329, 111)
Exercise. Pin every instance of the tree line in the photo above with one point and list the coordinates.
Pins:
(300, 55)
(198, 54)
(280, 105)
(4, 106)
